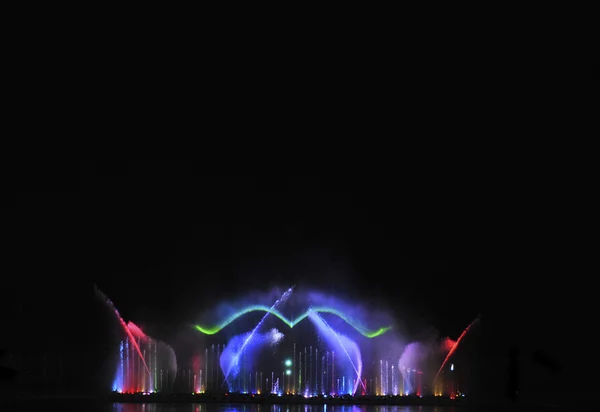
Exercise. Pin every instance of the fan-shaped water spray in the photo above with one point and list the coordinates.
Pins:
(145, 364)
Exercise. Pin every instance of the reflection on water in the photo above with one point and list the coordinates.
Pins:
(157, 407)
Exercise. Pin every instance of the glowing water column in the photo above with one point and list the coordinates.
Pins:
(122, 357)
(333, 372)
(118, 382)
(408, 386)
(131, 375)
(387, 377)
(212, 366)
(288, 374)
(381, 385)
(205, 369)
(148, 359)
(143, 375)
(155, 368)
(402, 373)
(126, 380)
(305, 371)
(310, 372)
(316, 381)
(321, 387)
(452, 388)
(326, 374)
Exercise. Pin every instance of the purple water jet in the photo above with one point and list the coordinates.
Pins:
(352, 365)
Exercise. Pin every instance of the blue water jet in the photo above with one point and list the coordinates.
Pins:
(342, 344)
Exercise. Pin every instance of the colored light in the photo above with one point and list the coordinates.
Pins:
(462, 335)
(262, 308)
(234, 359)
(288, 362)
(345, 345)
(288, 372)
(125, 328)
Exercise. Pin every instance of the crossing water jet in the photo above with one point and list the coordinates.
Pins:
(236, 356)
(453, 348)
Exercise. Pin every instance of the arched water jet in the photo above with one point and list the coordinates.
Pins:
(124, 326)
(233, 353)
(291, 323)
(144, 364)
(453, 349)
(235, 356)
(342, 344)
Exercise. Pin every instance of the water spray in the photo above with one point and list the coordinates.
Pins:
(291, 323)
(236, 358)
(124, 325)
(453, 349)
(337, 336)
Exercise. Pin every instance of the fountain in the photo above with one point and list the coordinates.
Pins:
(231, 359)
(346, 346)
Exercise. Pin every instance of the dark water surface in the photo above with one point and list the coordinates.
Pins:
(93, 406)
(272, 408)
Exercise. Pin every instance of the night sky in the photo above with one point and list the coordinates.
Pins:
(164, 242)
(157, 236)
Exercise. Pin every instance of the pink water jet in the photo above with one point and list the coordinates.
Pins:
(126, 328)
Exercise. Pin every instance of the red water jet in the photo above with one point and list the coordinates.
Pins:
(453, 349)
